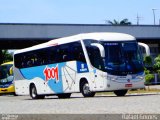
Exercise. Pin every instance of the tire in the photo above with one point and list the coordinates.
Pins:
(85, 90)
(64, 95)
(33, 93)
(15, 94)
(120, 92)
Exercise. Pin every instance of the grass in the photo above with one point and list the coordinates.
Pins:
(138, 91)
(146, 90)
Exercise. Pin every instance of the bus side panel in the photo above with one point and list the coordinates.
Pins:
(55, 78)
(48, 79)
(87, 77)
(41, 86)
(44, 77)
(21, 84)
(98, 80)
(73, 72)
(69, 73)
(22, 87)
(83, 72)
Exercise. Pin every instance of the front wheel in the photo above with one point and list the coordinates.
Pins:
(86, 90)
(120, 92)
(33, 93)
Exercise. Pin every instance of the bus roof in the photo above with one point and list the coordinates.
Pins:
(6, 63)
(103, 36)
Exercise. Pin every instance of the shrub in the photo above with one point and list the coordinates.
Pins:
(148, 78)
(148, 61)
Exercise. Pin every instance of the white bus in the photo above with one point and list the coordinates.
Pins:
(86, 63)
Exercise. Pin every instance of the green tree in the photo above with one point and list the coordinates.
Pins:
(157, 64)
(122, 22)
(148, 76)
(148, 64)
(5, 56)
(148, 61)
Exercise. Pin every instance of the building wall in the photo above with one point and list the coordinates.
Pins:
(62, 30)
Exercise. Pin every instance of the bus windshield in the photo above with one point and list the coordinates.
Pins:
(5, 75)
(121, 58)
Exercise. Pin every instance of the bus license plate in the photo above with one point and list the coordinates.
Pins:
(128, 85)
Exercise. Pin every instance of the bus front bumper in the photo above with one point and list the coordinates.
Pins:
(10, 89)
(115, 85)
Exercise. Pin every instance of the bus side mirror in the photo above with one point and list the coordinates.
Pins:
(100, 47)
(146, 48)
(11, 71)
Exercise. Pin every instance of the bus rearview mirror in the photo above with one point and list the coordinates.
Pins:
(100, 47)
(146, 48)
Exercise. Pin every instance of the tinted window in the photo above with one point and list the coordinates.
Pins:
(94, 54)
(51, 55)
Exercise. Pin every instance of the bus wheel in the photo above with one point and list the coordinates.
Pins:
(120, 92)
(15, 94)
(64, 95)
(33, 93)
(86, 90)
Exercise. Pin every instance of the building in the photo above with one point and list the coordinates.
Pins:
(17, 35)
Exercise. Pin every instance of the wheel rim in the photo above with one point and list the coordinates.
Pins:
(86, 89)
(33, 92)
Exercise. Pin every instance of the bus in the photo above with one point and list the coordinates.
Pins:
(86, 63)
(6, 78)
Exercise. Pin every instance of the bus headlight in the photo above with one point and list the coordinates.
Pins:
(140, 77)
(110, 77)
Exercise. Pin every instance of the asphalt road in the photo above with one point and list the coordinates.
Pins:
(100, 104)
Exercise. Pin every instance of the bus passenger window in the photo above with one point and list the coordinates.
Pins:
(30, 63)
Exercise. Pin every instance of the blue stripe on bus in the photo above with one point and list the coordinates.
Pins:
(53, 83)
(38, 71)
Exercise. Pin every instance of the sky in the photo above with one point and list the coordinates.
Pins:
(78, 11)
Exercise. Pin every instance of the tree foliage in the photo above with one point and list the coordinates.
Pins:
(157, 63)
(148, 61)
(5, 56)
(156, 68)
(122, 22)
(149, 78)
